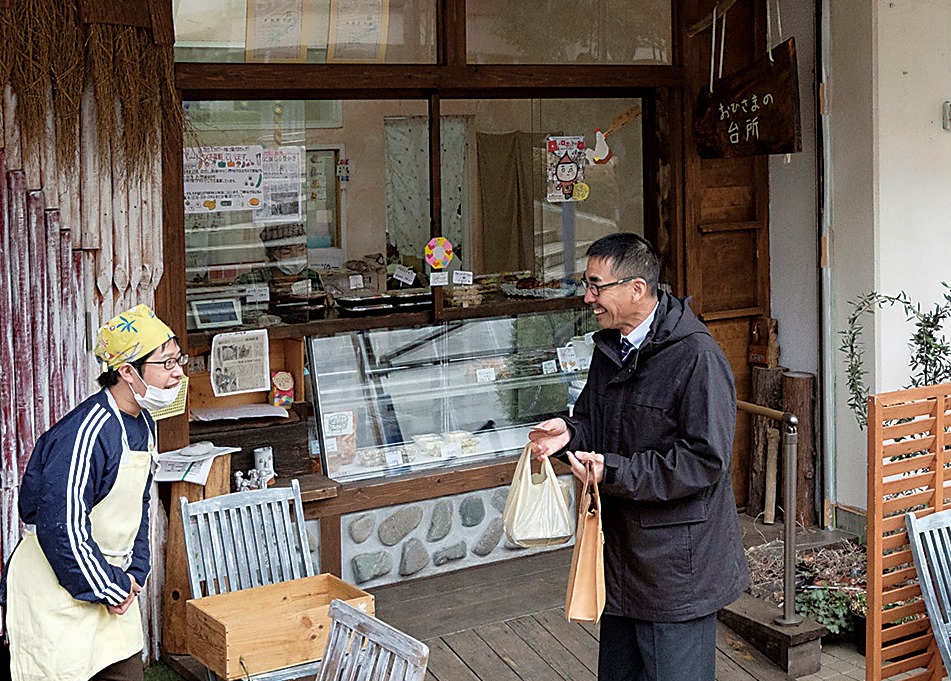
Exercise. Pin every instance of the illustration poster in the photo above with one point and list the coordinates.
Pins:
(219, 179)
(566, 169)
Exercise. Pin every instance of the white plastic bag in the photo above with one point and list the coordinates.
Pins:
(536, 513)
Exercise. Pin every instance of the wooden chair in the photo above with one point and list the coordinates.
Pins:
(930, 540)
(247, 539)
(362, 647)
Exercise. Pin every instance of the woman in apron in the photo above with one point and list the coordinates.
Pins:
(72, 582)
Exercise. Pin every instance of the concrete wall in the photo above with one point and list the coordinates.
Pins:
(888, 79)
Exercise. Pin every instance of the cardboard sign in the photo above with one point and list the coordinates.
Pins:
(752, 112)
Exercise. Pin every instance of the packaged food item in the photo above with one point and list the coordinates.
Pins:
(428, 444)
(372, 456)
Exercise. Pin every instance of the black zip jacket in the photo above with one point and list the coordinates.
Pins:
(664, 423)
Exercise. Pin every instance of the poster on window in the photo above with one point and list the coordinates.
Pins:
(275, 31)
(282, 200)
(219, 179)
(240, 363)
(358, 31)
(566, 169)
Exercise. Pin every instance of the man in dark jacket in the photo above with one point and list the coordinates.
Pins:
(656, 422)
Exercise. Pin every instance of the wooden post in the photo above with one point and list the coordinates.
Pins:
(177, 590)
(767, 391)
(773, 439)
(799, 399)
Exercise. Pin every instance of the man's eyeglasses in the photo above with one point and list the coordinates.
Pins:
(597, 288)
(171, 362)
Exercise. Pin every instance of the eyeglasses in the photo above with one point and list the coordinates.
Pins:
(171, 362)
(597, 288)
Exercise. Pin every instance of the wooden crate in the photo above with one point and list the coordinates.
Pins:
(267, 627)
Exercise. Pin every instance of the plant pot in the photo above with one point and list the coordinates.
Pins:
(858, 625)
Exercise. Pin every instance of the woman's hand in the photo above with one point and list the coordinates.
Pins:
(578, 461)
(549, 437)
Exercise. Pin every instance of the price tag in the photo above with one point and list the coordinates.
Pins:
(356, 281)
(393, 457)
(331, 445)
(439, 279)
(462, 277)
(567, 359)
(404, 274)
(338, 423)
(257, 293)
(550, 367)
(584, 363)
(451, 449)
(486, 375)
(301, 288)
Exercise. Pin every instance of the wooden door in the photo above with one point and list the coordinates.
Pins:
(726, 213)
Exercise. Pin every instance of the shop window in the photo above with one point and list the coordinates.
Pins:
(554, 32)
(279, 195)
(391, 401)
(299, 31)
(512, 217)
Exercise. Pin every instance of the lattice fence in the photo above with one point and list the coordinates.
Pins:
(908, 470)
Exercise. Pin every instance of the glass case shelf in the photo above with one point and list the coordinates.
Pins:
(392, 401)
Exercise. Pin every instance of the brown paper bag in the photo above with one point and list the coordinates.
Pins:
(585, 599)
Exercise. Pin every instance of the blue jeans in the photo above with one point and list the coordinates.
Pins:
(637, 650)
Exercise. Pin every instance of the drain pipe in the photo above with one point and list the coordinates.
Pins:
(790, 442)
(827, 343)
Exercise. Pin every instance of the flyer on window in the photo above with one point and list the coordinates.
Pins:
(565, 168)
(240, 363)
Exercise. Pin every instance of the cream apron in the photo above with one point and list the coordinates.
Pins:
(55, 637)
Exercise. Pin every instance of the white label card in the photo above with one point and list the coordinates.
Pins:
(404, 274)
(486, 375)
(550, 367)
(257, 293)
(439, 278)
(331, 445)
(356, 281)
(567, 359)
(301, 288)
(462, 277)
(393, 457)
(338, 423)
(451, 449)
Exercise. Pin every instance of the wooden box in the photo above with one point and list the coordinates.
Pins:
(267, 627)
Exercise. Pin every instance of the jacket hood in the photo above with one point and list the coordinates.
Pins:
(673, 321)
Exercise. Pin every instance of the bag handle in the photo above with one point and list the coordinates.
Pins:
(592, 488)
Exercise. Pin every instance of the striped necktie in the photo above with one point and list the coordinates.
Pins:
(627, 349)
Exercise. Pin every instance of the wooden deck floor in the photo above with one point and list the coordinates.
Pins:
(505, 622)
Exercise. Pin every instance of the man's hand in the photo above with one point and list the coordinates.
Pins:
(578, 461)
(124, 605)
(549, 437)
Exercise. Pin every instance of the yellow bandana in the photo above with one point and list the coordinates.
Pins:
(130, 335)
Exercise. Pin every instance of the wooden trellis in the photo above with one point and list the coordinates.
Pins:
(908, 447)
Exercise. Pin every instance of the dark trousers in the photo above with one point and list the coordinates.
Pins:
(129, 669)
(637, 650)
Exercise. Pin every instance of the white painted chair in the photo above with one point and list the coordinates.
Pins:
(930, 540)
(247, 539)
(362, 647)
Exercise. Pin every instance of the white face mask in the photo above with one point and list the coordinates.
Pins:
(291, 267)
(155, 398)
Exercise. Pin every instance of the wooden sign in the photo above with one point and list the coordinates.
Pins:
(754, 111)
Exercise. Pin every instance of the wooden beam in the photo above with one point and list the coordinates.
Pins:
(705, 23)
(368, 81)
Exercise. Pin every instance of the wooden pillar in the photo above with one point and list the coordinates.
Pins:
(799, 399)
(177, 590)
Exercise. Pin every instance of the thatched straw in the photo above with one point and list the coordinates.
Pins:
(44, 45)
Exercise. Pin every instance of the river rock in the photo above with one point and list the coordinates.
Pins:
(441, 522)
(397, 526)
(489, 539)
(415, 557)
(452, 552)
(360, 528)
(472, 511)
(367, 566)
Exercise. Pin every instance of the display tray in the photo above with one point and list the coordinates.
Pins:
(384, 308)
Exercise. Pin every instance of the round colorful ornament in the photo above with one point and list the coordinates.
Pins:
(439, 253)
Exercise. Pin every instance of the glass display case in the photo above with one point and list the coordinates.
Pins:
(392, 401)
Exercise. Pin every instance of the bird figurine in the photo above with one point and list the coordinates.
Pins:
(601, 151)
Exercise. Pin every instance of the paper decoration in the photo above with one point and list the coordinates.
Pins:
(439, 253)
(282, 389)
(601, 152)
(439, 279)
(566, 161)
(462, 277)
